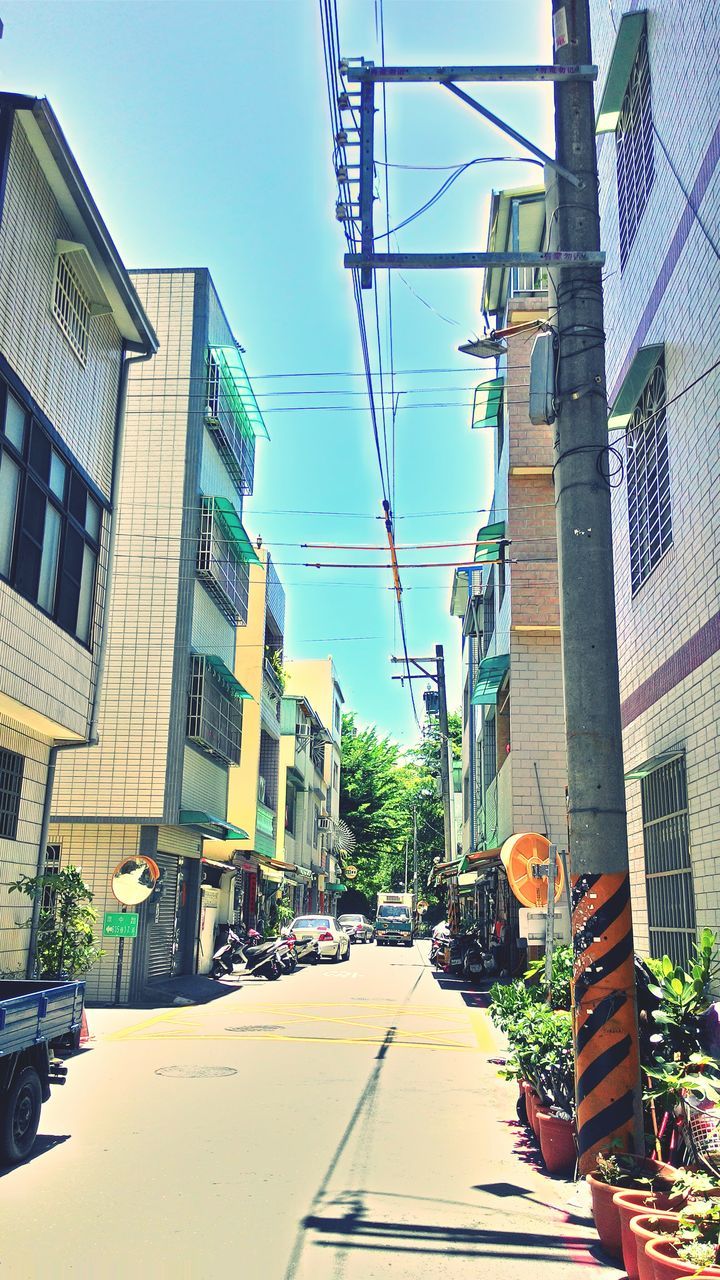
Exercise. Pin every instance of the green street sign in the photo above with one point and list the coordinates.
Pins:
(120, 924)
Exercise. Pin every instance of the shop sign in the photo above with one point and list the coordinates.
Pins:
(120, 924)
(350, 873)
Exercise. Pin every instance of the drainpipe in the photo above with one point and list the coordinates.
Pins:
(92, 738)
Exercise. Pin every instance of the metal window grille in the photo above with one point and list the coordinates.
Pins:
(634, 150)
(275, 596)
(12, 767)
(71, 307)
(488, 615)
(489, 752)
(214, 717)
(232, 431)
(269, 761)
(648, 480)
(668, 871)
(226, 576)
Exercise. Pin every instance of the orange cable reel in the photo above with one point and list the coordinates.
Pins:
(520, 854)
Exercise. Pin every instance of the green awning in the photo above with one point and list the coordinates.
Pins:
(630, 32)
(460, 592)
(294, 777)
(225, 674)
(636, 380)
(211, 826)
(233, 525)
(655, 762)
(488, 542)
(336, 888)
(236, 386)
(487, 403)
(491, 674)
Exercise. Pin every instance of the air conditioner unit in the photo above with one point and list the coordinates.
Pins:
(324, 824)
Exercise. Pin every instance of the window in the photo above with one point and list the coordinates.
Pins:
(648, 479)
(668, 871)
(635, 157)
(214, 719)
(488, 614)
(11, 777)
(50, 525)
(501, 426)
(227, 420)
(220, 565)
(489, 752)
(336, 776)
(269, 764)
(501, 578)
(71, 306)
(290, 808)
(337, 717)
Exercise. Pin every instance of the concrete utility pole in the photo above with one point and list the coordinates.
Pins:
(445, 753)
(415, 857)
(606, 1043)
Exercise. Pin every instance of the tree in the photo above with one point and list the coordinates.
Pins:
(380, 786)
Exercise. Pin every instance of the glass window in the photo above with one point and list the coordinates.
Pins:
(648, 480)
(49, 524)
(668, 868)
(93, 517)
(58, 472)
(11, 777)
(85, 602)
(9, 483)
(15, 422)
(49, 559)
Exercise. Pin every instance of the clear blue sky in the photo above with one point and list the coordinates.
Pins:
(203, 132)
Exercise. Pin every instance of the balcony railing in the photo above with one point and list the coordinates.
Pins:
(220, 566)
(214, 717)
(527, 281)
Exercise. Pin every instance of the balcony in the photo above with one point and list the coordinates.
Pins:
(232, 415)
(224, 557)
(214, 715)
(265, 830)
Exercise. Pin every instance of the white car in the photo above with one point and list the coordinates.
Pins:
(331, 939)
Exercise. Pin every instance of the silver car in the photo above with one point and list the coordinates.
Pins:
(358, 928)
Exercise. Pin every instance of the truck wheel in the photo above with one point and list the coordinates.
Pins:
(20, 1116)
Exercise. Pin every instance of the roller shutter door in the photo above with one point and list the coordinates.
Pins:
(163, 925)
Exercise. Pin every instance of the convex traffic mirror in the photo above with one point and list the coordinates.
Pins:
(134, 879)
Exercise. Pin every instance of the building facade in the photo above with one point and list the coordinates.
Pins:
(659, 170)
(301, 834)
(514, 764)
(69, 321)
(171, 710)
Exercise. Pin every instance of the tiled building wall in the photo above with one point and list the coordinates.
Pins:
(537, 736)
(532, 553)
(530, 444)
(20, 856)
(95, 850)
(125, 775)
(41, 666)
(668, 293)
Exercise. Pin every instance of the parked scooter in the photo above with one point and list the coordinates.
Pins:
(440, 945)
(246, 949)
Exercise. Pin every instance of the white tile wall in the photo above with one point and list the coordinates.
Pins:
(20, 856)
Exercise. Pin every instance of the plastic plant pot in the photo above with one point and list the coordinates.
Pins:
(557, 1143)
(666, 1264)
(607, 1214)
(638, 1225)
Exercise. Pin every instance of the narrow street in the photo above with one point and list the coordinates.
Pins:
(340, 1123)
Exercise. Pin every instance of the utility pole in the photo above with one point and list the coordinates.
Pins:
(445, 753)
(407, 841)
(605, 1021)
(415, 857)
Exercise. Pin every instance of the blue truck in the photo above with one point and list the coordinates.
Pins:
(37, 1021)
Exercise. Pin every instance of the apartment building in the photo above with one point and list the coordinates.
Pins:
(256, 803)
(302, 833)
(69, 320)
(513, 764)
(171, 711)
(317, 679)
(659, 177)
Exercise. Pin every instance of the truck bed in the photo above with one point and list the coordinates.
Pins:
(31, 1012)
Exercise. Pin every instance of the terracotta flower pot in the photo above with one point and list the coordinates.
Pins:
(607, 1214)
(557, 1143)
(666, 1264)
(640, 1221)
(531, 1103)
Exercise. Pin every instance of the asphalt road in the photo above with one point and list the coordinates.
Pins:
(344, 1122)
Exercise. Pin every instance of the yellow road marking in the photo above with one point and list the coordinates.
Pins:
(484, 1031)
(401, 1044)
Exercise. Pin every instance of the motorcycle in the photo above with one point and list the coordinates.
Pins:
(439, 946)
(477, 964)
(247, 950)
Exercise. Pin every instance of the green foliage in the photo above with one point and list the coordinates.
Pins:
(380, 786)
(279, 671)
(685, 996)
(699, 1252)
(562, 971)
(619, 1169)
(697, 1073)
(697, 1238)
(65, 946)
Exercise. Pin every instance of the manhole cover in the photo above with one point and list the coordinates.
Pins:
(267, 1026)
(195, 1072)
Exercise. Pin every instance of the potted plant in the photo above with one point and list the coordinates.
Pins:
(644, 1227)
(622, 1172)
(694, 1249)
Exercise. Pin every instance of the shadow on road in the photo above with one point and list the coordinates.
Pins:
(44, 1143)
